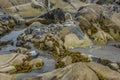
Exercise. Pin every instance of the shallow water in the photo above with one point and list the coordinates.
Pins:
(12, 36)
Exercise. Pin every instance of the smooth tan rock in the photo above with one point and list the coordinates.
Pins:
(9, 69)
(5, 76)
(65, 6)
(77, 71)
(21, 50)
(5, 58)
(12, 59)
(18, 59)
(26, 10)
(71, 40)
(116, 19)
(80, 71)
(103, 72)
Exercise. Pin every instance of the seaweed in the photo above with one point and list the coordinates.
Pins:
(25, 66)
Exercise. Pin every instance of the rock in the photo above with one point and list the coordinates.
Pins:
(6, 25)
(41, 4)
(4, 59)
(10, 61)
(68, 16)
(67, 60)
(63, 32)
(25, 10)
(18, 19)
(116, 19)
(74, 28)
(101, 61)
(35, 24)
(68, 57)
(49, 43)
(81, 71)
(5, 76)
(55, 14)
(77, 71)
(118, 2)
(103, 72)
(7, 3)
(89, 15)
(66, 6)
(33, 53)
(3, 43)
(18, 59)
(90, 12)
(21, 50)
(9, 69)
(28, 37)
(36, 63)
(37, 4)
(99, 1)
(41, 20)
(71, 40)
(113, 66)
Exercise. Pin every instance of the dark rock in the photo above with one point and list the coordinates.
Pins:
(3, 43)
(55, 14)
(4, 16)
(117, 2)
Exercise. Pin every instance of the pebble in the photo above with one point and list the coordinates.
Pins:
(114, 66)
(34, 54)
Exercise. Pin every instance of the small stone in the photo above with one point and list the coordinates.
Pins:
(34, 53)
(49, 43)
(114, 66)
(35, 24)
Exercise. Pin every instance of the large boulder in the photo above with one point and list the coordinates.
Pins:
(104, 20)
(76, 71)
(103, 72)
(80, 71)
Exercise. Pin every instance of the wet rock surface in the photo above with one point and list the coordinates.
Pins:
(60, 40)
(93, 71)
